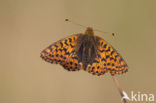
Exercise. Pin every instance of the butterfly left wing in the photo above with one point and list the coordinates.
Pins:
(107, 60)
(63, 52)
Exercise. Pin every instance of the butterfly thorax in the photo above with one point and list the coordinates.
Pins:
(89, 32)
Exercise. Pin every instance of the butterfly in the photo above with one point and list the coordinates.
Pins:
(85, 51)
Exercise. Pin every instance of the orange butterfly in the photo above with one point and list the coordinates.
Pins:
(85, 51)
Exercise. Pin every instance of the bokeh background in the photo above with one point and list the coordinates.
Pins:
(29, 26)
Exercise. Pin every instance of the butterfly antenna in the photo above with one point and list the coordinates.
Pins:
(113, 34)
(75, 23)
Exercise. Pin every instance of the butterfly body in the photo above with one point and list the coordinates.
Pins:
(85, 51)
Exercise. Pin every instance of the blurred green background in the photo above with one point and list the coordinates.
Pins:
(29, 26)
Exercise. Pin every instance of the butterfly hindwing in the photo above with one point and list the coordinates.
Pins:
(106, 60)
(63, 53)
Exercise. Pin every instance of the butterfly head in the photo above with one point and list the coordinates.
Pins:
(89, 31)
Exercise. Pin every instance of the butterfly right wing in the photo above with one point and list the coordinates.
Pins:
(107, 60)
(63, 52)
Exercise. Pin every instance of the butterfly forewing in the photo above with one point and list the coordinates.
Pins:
(63, 52)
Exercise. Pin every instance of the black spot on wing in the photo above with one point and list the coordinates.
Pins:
(66, 42)
(67, 53)
(61, 50)
(61, 44)
(112, 52)
(65, 49)
(108, 49)
(56, 46)
(71, 46)
(107, 56)
(105, 46)
(75, 58)
(70, 40)
(102, 50)
(103, 59)
(61, 56)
